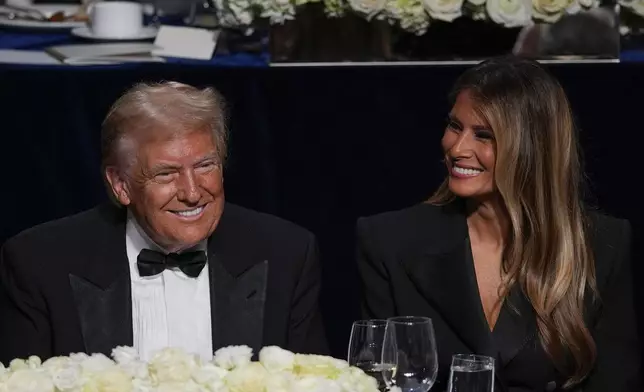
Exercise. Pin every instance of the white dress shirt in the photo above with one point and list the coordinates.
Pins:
(170, 309)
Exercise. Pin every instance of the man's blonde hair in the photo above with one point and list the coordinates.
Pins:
(169, 108)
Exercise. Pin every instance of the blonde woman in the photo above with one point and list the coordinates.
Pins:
(505, 257)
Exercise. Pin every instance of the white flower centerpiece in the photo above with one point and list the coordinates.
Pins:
(631, 17)
(169, 370)
(414, 16)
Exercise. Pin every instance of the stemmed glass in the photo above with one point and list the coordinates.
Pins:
(203, 13)
(365, 349)
(471, 373)
(410, 346)
(155, 20)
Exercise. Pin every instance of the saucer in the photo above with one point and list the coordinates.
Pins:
(21, 21)
(147, 32)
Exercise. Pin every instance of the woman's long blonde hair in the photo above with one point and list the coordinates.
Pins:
(539, 177)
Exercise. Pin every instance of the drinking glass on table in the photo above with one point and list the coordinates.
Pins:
(365, 348)
(410, 346)
(471, 373)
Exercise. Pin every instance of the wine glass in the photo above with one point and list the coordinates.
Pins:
(410, 346)
(155, 20)
(203, 13)
(365, 348)
(471, 373)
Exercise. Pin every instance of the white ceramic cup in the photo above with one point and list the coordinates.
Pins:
(116, 19)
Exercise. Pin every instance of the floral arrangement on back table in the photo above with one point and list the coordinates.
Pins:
(172, 370)
(631, 16)
(414, 16)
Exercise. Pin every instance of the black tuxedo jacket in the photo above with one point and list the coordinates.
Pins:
(418, 261)
(65, 285)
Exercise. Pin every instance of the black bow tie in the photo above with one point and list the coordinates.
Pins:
(152, 263)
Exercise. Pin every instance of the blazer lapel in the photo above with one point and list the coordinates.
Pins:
(443, 281)
(105, 313)
(443, 274)
(515, 327)
(238, 284)
(102, 292)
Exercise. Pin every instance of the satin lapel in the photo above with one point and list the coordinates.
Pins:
(102, 291)
(238, 286)
(239, 302)
(105, 314)
(442, 272)
(443, 280)
(515, 327)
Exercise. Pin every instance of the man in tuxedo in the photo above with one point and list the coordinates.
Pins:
(169, 263)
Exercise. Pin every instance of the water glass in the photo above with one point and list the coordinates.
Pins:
(471, 373)
(410, 346)
(365, 348)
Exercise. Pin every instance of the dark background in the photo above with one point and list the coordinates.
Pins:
(318, 146)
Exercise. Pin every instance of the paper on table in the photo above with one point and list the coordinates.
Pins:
(104, 53)
(185, 42)
(37, 57)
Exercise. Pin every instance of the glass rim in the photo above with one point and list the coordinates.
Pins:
(409, 320)
(373, 323)
(473, 358)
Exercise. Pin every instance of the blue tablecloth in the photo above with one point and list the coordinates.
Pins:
(632, 56)
(16, 39)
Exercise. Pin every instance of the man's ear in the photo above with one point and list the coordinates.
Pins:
(118, 185)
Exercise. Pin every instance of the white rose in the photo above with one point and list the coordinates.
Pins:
(233, 356)
(57, 362)
(142, 386)
(210, 376)
(65, 373)
(127, 358)
(18, 364)
(29, 380)
(172, 365)
(276, 359)
(109, 380)
(67, 378)
(34, 362)
(234, 13)
(410, 14)
(510, 13)
(573, 8)
(4, 376)
(248, 378)
(550, 10)
(636, 6)
(78, 357)
(477, 3)
(445, 10)
(316, 384)
(242, 13)
(277, 11)
(589, 3)
(138, 370)
(319, 365)
(97, 363)
(124, 355)
(188, 386)
(279, 382)
(356, 380)
(367, 7)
